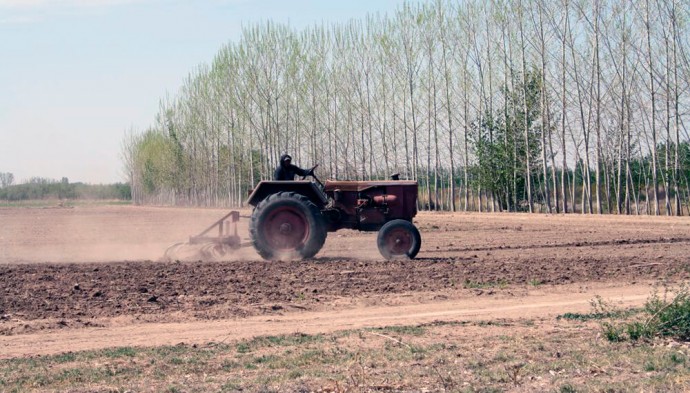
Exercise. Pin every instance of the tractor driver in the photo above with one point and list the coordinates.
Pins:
(287, 171)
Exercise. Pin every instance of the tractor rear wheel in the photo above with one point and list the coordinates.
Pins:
(399, 239)
(287, 225)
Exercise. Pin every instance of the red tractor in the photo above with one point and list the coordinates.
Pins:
(292, 218)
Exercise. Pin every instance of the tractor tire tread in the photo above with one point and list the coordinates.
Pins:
(408, 226)
(318, 231)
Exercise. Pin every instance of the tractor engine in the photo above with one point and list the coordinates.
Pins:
(368, 205)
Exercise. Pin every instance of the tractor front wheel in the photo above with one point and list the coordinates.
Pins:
(399, 239)
(287, 225)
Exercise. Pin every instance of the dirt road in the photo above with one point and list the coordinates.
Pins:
(88, 277)
(546, 303)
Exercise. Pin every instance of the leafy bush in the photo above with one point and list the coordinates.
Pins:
(669, 318)
(613, 333)
(637, 330)
(663, 316)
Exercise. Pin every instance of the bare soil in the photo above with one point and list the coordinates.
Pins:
(92, 277)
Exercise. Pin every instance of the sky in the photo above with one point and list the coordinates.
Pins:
(76, 75)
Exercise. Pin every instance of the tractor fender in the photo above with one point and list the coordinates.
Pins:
(303, 187)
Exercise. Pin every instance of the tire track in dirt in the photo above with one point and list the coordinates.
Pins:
(616, 242)
(77, 293)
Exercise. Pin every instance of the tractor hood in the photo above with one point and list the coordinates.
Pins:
(359, 186)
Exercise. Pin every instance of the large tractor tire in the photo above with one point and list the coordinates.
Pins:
(287, 225)
(399, 239)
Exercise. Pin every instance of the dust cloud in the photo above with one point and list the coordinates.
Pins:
(99, 233)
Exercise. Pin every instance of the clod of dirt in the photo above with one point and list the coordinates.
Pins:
(98, 294)
(76, 287)
(153, 299)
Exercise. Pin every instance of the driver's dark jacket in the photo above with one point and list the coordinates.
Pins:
(288, 172)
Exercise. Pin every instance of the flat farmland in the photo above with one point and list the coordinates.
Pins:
(90, 278)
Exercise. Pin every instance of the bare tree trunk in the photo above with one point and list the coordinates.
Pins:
(428, 139)
(628, 176)
(383, 124)
(687, 195)
(564, 149)
(409, 174)
(506, 117)
(619, 161)
(586, 178)
(598, 104)
(415, 149)
(372, 165)
(667, 145)
(447, 77)
(676, 112)
(513, 128)
(624, 128)
(490, 99)
(528, 170)
(466, 137)
(436, 163)
(650, 64)
(544, 113)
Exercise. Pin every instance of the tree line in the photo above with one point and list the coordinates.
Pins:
(502, 105)
(38, 188)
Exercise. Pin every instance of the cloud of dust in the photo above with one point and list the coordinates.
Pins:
(103, 233)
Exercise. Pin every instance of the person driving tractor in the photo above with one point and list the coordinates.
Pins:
(286, 171)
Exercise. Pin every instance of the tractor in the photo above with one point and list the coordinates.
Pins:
(291, 219)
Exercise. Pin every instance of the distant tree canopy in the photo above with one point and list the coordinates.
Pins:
(41, 188)
(6, 179)
(515, 105)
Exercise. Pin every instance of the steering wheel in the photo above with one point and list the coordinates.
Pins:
(310, 172)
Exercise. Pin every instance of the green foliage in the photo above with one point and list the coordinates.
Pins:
(664, 316)
(500, 145)
(157, 156)
(640, 170)
(598, 315)
(567, 388)
(637, 330)
(407, 330)
(669, 318)
(6, 179)
(482, 285)
(613, 332)
(42, 189)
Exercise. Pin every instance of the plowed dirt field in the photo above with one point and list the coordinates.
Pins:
(92, 276)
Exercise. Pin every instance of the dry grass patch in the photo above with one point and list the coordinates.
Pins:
(566, 355)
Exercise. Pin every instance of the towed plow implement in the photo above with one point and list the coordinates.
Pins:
(207, 246)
